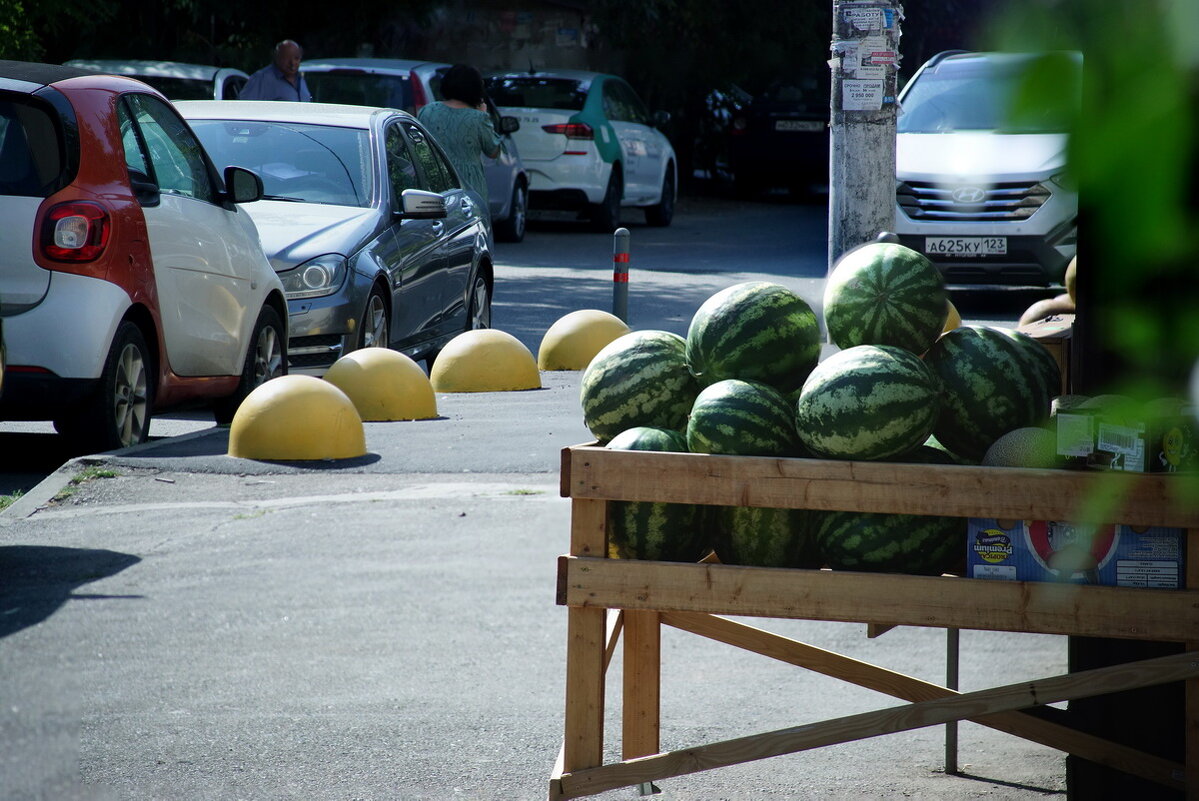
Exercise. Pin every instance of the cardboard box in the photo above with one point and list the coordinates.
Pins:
(1165, 441)
(1055, 333)
(1109, 555)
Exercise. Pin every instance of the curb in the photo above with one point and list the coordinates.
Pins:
(38, 497)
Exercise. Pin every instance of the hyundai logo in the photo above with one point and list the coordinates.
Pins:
(969, 194)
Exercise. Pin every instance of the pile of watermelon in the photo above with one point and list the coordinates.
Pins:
(747, 380)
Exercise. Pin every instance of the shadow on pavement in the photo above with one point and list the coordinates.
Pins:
(35, 580)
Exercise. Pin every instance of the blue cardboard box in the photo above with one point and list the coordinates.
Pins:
(1040, 550)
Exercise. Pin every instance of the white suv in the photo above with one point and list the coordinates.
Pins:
(981, 193)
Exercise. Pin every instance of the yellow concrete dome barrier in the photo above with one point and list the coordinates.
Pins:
(297, 418)
(384, 384)
(484, 360)
(572, 342)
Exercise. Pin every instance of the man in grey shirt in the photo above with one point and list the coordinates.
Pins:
(281, 80)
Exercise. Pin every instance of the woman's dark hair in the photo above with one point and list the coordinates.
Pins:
(463, 82)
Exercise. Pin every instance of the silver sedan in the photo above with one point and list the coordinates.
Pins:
(364, 219)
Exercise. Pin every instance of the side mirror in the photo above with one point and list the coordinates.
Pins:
(144, 189)
(242, 185)
(509, 125)
(418, 204)
(660, 118)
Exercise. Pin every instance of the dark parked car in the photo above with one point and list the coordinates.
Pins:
(781, 138)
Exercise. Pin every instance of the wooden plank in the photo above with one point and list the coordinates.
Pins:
(642, 680)
(886, 721)
(878, 629)
(950, 490)
(885, 598)
(909, 688)
(583, 743)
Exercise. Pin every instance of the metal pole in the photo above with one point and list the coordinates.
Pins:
(620, 273)
(952, 642)
(865, 50)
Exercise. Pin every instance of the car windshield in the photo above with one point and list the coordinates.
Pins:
(977, 95)
(534, 92)
(297, 162)
(179, 88)
(360, 88)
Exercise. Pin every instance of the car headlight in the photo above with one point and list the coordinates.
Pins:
(316, 277)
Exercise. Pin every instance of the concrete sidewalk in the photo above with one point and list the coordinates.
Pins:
(202, 627)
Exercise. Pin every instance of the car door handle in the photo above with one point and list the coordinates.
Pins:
(438, 225)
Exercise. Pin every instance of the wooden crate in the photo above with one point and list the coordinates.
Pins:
(694, 596)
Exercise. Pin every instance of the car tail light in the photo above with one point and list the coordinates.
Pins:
(75, 232)
(419, 98)
(571, 130)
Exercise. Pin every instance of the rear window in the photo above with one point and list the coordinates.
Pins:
(359, 88)
(533, 92)
(179, 88)
(31, 157)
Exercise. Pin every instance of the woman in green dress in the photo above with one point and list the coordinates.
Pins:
(461, 125)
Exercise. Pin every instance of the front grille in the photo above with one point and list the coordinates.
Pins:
(929, 202)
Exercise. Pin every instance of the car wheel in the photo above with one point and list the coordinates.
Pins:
(513, 228)
(118, 414)
(661, 214)
(374, 322)
(605, 216)
(479, 314)
(265, 359)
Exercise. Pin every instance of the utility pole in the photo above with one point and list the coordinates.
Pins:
(865, 50)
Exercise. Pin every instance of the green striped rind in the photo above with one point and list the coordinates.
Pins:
(991, 385)
(639, 379)
(742, 418)
(1047, 376)
(761, 536)
(918, 544)
(670, 532)
(925, 454)
(885, 294)
(755, 331)
(869, 402)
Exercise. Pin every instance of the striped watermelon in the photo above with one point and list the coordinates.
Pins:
(868, 402)
(742, 418)
(639, 379)
(761, 536)
(992, 383)
(755, 331)
(671, 532)
(919, 544)
(885, 294)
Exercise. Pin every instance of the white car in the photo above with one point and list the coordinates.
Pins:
(984, 196)
(175, 79)
(589, 144)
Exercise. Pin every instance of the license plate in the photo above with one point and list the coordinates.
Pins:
(966, 245)
(798, 125)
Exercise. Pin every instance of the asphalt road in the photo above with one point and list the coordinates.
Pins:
(178, 623)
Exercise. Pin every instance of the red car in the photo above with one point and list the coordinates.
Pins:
(130, 281)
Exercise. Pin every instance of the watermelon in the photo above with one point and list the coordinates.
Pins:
(889, 543)
(639, 379)
(755, 331)
(742, 418)
(761, 536)
(1047, 375)
(670, 532)
(991, 384)
(868, 402)
(885, 294)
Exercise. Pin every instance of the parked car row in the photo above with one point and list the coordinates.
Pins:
(215, 252)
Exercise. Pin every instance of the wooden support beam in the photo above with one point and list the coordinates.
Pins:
(978, 704)
(642, 684)
(887, 598)
(909, 688)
